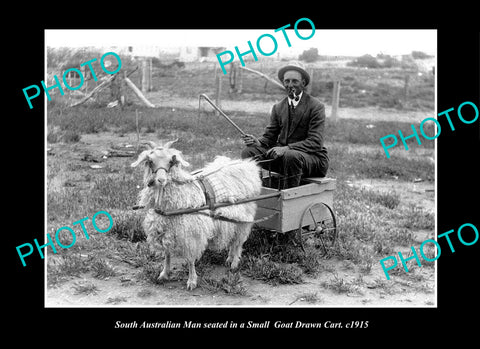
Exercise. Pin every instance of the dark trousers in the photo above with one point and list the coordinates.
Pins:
(294, 164)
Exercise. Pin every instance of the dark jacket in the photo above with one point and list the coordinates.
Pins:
(306, 133)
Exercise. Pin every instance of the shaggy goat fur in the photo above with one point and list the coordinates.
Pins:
(170, 187)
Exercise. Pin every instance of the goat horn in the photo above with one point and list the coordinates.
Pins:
(150, 144)
(169, 144)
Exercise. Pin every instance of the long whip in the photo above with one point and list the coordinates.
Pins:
(204, 96)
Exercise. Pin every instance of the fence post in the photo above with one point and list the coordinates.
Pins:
(218, 90)
(235, 79)
(240, 81)
(309, 87)
(84, 72)
(138, 131)
(146, 74)
(150, 74)
(335, 100)
(406, 88)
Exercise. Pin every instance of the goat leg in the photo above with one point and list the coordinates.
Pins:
(165, 274)
(192, 276)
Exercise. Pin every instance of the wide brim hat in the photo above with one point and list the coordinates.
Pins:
(297, 66)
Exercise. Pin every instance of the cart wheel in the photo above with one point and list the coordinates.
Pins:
(318, 227)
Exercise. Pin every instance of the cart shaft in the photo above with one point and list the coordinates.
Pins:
(217, 205)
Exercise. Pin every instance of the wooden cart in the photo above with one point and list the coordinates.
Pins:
(306, 209)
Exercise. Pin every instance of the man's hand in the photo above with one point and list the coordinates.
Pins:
(276, 152)
(250, 140)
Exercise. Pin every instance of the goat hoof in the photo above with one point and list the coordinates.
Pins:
(228, 263)
(234, 265)
(191, 285)
(163, 277)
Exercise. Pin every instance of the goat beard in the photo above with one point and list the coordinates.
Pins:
(151, 197)
(158, 196)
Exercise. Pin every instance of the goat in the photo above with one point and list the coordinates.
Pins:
(167, 186)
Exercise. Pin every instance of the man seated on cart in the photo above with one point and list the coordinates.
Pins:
(294, 138)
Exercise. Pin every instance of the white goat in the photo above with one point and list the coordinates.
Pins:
(167, 186)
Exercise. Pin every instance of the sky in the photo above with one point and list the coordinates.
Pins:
(329, 42)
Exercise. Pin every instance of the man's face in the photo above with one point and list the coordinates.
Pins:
(293, 82)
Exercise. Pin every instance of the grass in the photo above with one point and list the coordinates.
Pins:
(85, 288)
(204, 135)
(308, 297)
(116, 300)
(231, 283)
(338, 285)
(371, 224)
(375, 165)
(417, 218)
(271, 271)
(66, 266)
(167, 123)
(128, 226)
(368, 230)
(102, 269)
(389, 200)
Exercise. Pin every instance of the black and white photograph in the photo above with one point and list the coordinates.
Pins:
(289, 168)
(197, 170)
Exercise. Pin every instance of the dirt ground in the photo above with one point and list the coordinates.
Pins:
(160, 98)
(372, 290)
(414, 289)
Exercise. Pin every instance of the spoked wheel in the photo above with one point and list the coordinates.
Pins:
(318, 227)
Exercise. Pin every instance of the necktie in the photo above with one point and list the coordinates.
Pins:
(291, 111)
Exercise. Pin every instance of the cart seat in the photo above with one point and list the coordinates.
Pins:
(319, 180)
(275, 176)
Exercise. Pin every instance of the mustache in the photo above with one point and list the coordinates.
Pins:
(292, 93)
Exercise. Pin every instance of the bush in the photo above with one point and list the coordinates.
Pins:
(310, 55)
(272, 272)
(420, 55)
(54, 135)
(70, 136)
(390, 62)
(365, 61)
(381, 61)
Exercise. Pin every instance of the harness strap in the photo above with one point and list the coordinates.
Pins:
(174, 161)
(216, 215)
(208, 192)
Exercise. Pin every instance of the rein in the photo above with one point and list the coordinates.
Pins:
(209, 193)
(199, 176)
(174, 161)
